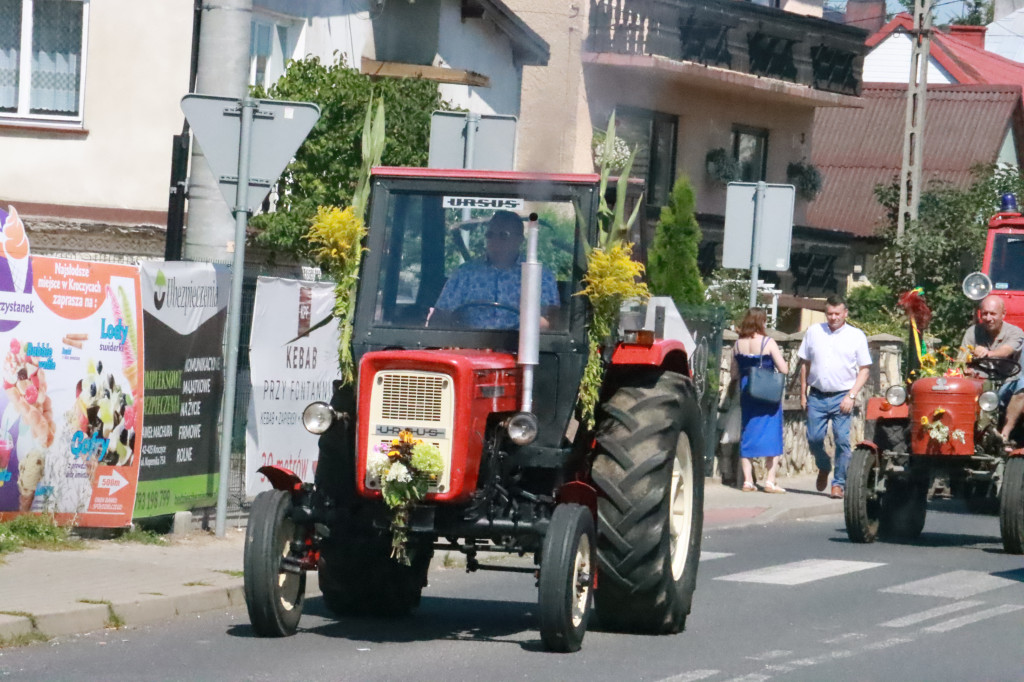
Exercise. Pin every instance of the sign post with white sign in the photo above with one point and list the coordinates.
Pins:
(758, 228)
(268, 133)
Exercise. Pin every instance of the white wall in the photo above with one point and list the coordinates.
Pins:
(889, 62)
(136, 73)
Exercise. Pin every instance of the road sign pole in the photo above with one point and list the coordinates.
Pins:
(241, 212)
(755, 247)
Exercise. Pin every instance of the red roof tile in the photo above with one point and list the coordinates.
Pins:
(857, 149)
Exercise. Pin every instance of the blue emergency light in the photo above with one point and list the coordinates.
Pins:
(1008, 203)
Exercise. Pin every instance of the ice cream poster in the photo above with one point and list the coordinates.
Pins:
(71, 408)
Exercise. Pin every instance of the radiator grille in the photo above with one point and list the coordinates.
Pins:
(412, 397)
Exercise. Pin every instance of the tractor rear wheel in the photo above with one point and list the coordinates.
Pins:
(1011, 506)
(273, 596)
(904, 507)
(861, 504)
(566, 582)
(358, 577)
(649, 468)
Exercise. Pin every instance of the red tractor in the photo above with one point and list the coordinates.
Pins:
(612, 515)
(947, 427)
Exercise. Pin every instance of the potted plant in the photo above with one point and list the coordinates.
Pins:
(805, 177)
(721, 166)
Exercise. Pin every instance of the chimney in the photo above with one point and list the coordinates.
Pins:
(973, 35)
(866, 14)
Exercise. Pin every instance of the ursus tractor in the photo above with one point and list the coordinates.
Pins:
(945, 431)
(609, 509)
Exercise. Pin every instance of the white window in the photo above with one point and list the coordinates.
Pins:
(271, 44)
(42, 62)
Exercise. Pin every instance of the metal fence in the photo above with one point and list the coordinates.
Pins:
(706, 323)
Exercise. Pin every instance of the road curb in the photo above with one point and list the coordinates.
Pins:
(770, 515)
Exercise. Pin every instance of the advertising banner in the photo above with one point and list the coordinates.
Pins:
(71, 407)
(185, 308)
(287, 374)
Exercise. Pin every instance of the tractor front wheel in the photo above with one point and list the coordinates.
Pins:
(861, 505)
(273, 595)
(649, 469)
(1011, 506)
(566, 578)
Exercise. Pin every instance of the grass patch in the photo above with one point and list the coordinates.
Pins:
(233, 574)
(114, 621)
(23, 639)
(197, 583)
(36, 531)
(143, 537)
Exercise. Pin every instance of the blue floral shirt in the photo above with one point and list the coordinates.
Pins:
(481, 282)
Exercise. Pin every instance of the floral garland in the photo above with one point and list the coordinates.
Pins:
(406, 467)
(939, 363)
(939, 432)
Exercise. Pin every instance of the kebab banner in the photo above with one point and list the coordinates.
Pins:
(287, 374)
(72, 368)
(185, 307)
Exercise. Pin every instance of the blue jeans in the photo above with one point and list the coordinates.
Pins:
(821, 411)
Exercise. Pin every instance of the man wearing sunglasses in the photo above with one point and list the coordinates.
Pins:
(485, 294)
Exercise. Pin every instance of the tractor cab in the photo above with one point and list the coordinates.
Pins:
(1004, 253)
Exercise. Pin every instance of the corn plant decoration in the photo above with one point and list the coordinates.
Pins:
(336, 237)
(612, 276)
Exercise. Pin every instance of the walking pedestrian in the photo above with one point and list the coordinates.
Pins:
(761, 430)
(834, 367)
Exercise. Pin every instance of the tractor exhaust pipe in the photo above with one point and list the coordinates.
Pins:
(529, 313)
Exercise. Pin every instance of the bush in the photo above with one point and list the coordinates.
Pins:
(672, 268)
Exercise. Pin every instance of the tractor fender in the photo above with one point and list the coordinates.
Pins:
(281, 478)
(668, 354)
(869, 445)
(578, 492)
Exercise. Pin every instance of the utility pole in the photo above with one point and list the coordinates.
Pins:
(913, 127)
(223, 71)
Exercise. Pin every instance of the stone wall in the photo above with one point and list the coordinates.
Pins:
(886, 351)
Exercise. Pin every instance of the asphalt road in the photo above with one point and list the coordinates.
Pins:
(794, 601)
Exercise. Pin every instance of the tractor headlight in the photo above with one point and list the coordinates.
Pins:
(522, 428)
(895, 395)
(318, 417)
(988, 401)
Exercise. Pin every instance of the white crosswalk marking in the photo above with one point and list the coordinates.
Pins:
(953, 585)
(915, 618)
(692, 676)
(955, 623)
(708, 556)
(800, 572)
(770, 655)
(753, 677)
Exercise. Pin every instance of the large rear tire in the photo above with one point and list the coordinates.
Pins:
(861, 505)
(903, 511)
(358, 577)
(273, 596)
(1011, 506)
(566, 582)
(649, 469)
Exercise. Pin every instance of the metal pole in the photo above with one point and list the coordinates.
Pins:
(235, 309)
(755, 248)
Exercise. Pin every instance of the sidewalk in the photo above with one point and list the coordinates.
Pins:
(47, 594)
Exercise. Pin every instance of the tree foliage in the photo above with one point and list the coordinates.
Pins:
(672, 268)
(943, 245)
(326, 167)
(873, 309)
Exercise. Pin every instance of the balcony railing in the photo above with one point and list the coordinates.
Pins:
(735, 35)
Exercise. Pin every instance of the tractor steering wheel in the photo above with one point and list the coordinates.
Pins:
(460, 311)
(996, 368)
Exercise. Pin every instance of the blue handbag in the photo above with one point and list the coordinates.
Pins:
(765, 384)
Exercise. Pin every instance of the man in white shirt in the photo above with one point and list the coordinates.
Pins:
(835, 366)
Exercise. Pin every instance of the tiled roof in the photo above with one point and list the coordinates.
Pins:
(857, 149)
(967, 63)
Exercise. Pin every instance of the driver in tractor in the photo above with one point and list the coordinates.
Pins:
(992, 337)
(485, 294)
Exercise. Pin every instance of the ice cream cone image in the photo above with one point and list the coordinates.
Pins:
(15, 248)
(25, 386)
(30, 472)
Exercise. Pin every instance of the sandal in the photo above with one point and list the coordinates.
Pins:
(770, 487)
(749, 487)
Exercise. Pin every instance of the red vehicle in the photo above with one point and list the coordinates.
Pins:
(947, 427)
(612, 515)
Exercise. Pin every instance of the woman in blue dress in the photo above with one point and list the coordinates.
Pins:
(762, 422)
